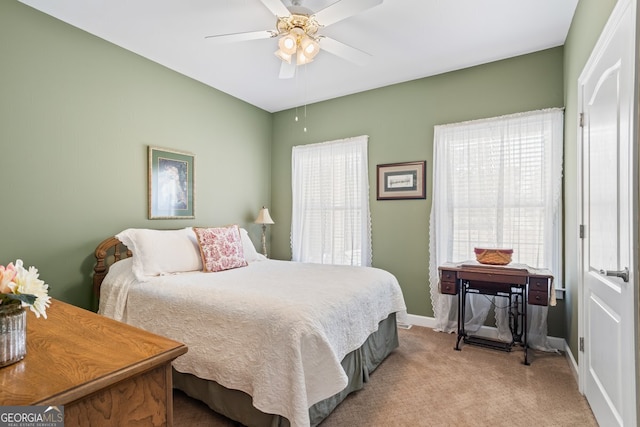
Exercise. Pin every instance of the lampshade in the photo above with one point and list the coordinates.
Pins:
(288, 44)
(284, 56)
(310, 47)
(302, 59)
(264, 217)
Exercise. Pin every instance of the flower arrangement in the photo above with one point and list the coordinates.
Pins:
(21, 286)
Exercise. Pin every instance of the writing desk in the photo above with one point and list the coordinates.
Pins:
(518, 283)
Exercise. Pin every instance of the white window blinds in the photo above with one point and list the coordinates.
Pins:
(330, 217)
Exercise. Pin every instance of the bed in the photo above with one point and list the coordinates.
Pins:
(271, 343)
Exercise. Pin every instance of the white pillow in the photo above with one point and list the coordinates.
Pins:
(249, 250)
(158, 252)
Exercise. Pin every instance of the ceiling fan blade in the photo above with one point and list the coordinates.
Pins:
(344, 51)
(240, 37)
(287, 71)
(342, 10)
(276, 7)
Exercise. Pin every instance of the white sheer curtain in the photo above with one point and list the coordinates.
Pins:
(330, 221)
(497, 183)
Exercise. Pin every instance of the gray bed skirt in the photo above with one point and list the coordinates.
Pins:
(236, 405)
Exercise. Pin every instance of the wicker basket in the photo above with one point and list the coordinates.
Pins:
(493, 256)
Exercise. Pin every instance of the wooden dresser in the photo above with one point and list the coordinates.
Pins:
(104, 372)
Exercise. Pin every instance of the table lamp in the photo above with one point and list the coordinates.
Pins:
(264, 218)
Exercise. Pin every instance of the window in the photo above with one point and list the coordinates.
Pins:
(330, 218)
(497, 183)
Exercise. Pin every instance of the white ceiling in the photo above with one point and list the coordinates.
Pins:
(408, 39)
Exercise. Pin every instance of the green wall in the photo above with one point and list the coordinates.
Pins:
(76, 116)
(588, 22)
(399, 120)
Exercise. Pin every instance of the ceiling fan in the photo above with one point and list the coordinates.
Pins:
(298, 28)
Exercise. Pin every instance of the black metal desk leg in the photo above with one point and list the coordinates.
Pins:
(461, 305)
(516, 333)
(525, 332)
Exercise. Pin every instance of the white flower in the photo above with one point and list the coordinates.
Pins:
(27, 282)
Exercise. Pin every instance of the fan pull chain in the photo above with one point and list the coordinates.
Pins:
(304, 82)
(296, 118)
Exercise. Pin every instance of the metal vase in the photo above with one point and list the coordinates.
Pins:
(13, 333)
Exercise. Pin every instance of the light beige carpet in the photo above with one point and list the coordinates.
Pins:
(426, 383)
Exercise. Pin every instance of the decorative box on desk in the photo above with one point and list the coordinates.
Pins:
(519, 283)
(104, 372)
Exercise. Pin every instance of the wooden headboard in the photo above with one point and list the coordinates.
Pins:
(108, 252)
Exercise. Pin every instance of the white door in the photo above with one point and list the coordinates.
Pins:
(607, 362)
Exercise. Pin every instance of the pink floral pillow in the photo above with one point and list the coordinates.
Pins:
(221, 248)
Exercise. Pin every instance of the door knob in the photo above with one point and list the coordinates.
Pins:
(623, 274)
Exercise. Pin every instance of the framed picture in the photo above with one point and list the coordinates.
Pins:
(171, 184)
(402, 181)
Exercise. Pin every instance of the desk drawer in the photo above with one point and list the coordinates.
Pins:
(506, 277)
(492, 288)
(539, 284)
(537, 297)
(449, 288)
(447, 276)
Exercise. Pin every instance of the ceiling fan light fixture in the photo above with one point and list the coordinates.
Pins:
(302, 59)
(283, 56)
(310, 47)
(297, 32)
(288, 44)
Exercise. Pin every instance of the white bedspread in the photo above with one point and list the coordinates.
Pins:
(276, 330)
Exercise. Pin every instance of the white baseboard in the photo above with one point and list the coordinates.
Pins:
(488, 332)
(572, 363)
